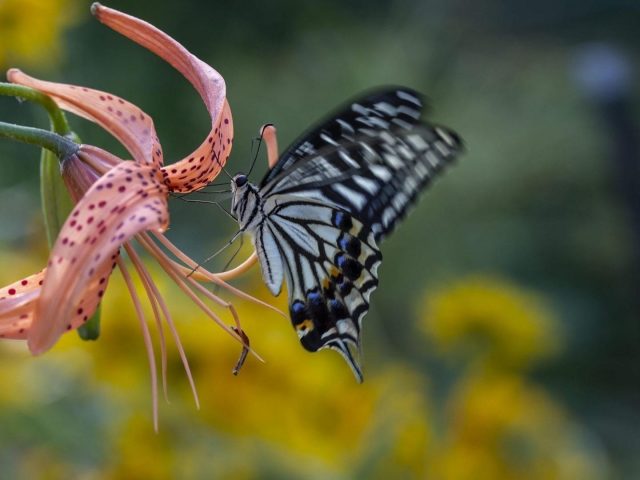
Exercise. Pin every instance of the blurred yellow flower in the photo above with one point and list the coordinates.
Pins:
(499, 426)
(298, 412)
(31, 30)
(308, 405)
(488, 318)
(296, 416)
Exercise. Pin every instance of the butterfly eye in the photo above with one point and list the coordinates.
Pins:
(240, 180)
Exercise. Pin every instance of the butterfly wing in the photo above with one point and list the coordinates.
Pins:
(330, 264)
(376, 176)
(333, 195)
(382, 109)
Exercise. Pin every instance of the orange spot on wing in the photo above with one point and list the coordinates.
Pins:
(305, 326)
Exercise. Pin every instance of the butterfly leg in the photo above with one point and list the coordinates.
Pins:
(216, 289)
(220, 250)
(211, 202)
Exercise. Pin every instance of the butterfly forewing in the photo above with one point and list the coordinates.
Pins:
(377, 176)
(383, 109)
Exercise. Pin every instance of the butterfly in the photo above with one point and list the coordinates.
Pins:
(318, 215)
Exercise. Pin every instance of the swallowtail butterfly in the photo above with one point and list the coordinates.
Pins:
(318, 215)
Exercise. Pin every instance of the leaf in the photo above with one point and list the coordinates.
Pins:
(91, 329)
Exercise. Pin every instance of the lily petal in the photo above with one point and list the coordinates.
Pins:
(203, 165)
(126, 122)
(130, 198)
(17, 304)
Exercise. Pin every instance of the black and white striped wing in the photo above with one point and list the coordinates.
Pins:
(382, 109)
(333, 195)
(372, 158)
(329, 260)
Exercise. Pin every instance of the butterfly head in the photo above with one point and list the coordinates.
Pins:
(239, 180)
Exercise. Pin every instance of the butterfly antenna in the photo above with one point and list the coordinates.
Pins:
(260, 140)
(223, 169)
(211, 257)
(226, 173)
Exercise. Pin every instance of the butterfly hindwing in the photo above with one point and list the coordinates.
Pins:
(270, 258)
(330, 261)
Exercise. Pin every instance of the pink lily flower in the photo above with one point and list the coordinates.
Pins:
(121, 201)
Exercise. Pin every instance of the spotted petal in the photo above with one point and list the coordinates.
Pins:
(17, 304)
(127, 200)
(204, 164)
(122, 119)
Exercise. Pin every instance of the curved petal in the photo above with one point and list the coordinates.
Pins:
(127, 200)
(17, 303)
(18, 311)
(122, 119)
(199, 168)
(204, 164)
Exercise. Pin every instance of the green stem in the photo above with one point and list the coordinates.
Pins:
(61, 146)
(58, 119)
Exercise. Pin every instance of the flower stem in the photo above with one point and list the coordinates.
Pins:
(57, 117)
(61, 146)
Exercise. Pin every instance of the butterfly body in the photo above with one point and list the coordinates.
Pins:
(318, 215)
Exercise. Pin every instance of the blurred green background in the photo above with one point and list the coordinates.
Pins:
(503, 340)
